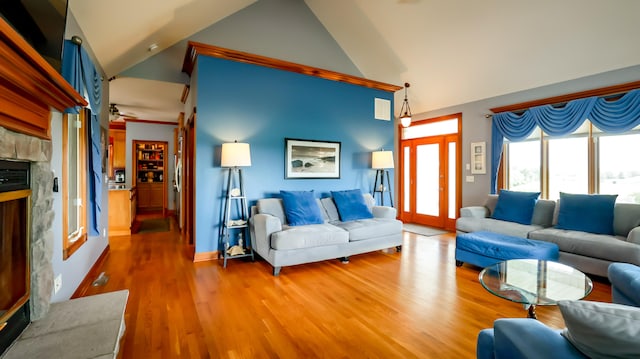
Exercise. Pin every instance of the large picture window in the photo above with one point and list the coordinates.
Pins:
(586, 161)
(618, 170)
(74, 164)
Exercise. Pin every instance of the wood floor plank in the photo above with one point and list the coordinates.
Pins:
(412, 304)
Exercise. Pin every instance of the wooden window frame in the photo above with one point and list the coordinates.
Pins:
(72, 243)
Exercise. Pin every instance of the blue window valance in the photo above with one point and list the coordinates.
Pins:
(616, 116)
(79, 71)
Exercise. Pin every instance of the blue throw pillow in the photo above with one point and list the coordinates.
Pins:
(591, 213)
(301, 208)
(351, 205)
(515, 206)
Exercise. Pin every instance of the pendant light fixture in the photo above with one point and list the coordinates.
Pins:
(405, 111)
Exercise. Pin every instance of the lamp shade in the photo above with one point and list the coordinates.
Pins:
(381, 159)
(405, 120)
(235, 154)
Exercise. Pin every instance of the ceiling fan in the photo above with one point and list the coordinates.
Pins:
(116, 115)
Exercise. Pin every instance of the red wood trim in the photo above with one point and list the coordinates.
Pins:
(93, 273)
(151, 122)
(117, 126)
(185, 94)
(25, 77)
(194, 49)
(603, 91)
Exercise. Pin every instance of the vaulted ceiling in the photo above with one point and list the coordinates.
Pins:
(451, 51)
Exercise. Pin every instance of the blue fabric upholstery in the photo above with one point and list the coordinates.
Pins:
(528, 338)
(591, 213)
(515, 338)
(486, 248)
(351, 205)
(515, 206)
(301, 208)
(625, 283)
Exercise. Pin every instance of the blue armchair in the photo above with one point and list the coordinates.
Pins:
(515, 338)
(625, 283)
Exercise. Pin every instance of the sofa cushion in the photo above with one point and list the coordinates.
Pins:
(351, 205)
(626, 216)
(471, 224)
(273, 207)
(312, 235)
(301, 208)
(370, 228)
(602, 330)
(515, 206)
(586, 212)
(543, 212)
(330, 208)
(610, 248)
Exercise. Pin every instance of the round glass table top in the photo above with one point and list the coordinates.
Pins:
(535, 282)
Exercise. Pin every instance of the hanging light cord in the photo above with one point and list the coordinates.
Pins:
(405, 104)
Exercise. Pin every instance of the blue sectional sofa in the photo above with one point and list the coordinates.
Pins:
(588, 252)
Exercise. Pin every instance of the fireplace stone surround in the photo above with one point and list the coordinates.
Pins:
(17, 146)
(31, 92)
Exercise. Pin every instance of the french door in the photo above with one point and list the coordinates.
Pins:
(430, 175)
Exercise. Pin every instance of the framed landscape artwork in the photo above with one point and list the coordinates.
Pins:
(311, 159)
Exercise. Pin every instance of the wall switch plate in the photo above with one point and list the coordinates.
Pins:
(57, 284)
(470, 179)
(468, 166)
(104, 233)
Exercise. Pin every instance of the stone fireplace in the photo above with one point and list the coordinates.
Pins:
(37, 152)
(30, 91)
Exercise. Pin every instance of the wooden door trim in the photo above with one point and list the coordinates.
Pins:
(188, 180)
(404, 216)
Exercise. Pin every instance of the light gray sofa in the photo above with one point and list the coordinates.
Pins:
(283, 245)
(588, 252)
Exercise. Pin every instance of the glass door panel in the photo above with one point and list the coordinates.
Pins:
(428, 179)
(406, 160)
(452, 181)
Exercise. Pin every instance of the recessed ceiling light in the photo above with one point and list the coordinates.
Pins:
(152, 47)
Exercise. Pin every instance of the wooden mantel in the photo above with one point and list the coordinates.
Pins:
(30, 87)
(195, 48)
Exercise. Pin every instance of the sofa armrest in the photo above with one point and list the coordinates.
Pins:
(384, 212)
(484, 345)
(634, 236)
(474, 211)
(262, 226)
(529, 338)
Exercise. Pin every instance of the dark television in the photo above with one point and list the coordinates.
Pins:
(41, 23)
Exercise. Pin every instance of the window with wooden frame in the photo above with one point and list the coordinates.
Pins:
(586, 161)
(74, 181)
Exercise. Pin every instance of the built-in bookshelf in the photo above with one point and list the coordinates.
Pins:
(150, 174)
(150, 162)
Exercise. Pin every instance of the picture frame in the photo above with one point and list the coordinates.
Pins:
(311, 159)
(478, 158)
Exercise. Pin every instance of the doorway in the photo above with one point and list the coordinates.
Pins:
(430, 157)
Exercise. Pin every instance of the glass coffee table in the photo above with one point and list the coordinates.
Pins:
(535, 282)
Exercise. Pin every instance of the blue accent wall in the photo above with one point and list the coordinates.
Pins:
(263, 106)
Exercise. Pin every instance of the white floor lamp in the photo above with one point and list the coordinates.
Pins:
(381, 161)
(235, 155)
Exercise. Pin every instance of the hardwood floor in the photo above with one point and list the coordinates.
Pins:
(413, 304)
